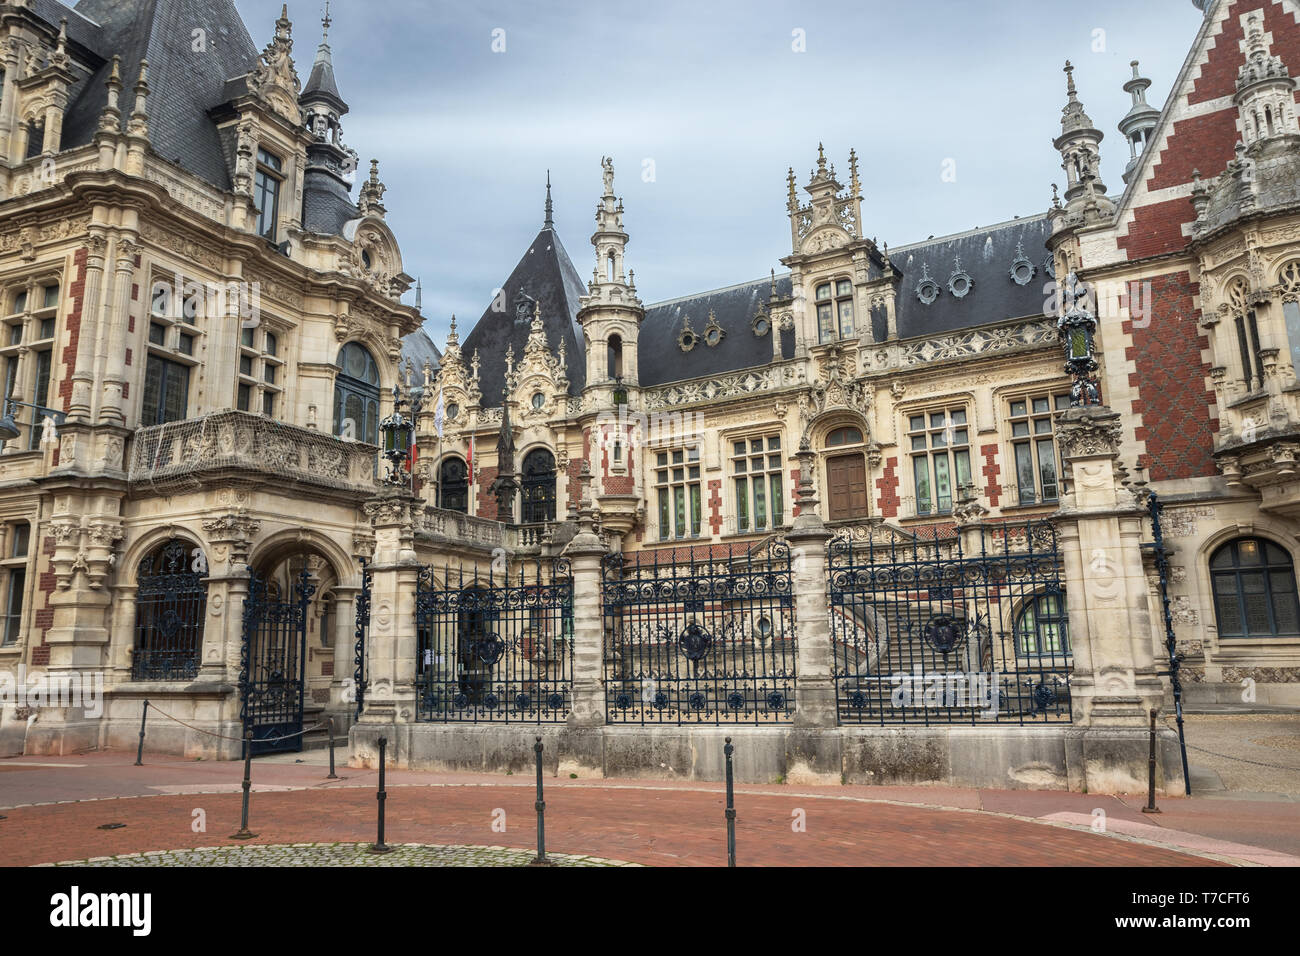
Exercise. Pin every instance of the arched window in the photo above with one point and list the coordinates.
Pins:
(1254, 590)
(453, 485)
(615, 358)
(538, 487)
(1042, 627)
(356, 396)
(1252, 364)
(847, 435)
(170, 602)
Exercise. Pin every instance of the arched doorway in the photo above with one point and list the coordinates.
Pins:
(170, 603)
(453, 485)
(292, 636)
(356, 395)
(846, 473)
(538, 487)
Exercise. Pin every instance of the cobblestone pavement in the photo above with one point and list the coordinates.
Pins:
(339, 854)
(1258, 753)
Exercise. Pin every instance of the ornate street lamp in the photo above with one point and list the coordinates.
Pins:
(1078, 330)
(9, 429)
(399, 436)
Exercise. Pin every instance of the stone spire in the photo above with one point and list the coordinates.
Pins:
(1080, 147)
(372, 193)
(549, 221)
(330, 163)
(1140, 121)
(609, 238)
(110, 120)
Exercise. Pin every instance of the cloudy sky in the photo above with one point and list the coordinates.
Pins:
(703, 106)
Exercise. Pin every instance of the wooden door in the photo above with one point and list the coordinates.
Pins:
(847, 492)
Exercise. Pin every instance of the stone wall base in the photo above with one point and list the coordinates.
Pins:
(1089, 760)
(1266, 695)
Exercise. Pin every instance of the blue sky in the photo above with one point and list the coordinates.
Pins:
(716, 97)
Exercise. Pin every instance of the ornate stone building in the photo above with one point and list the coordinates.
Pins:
(212, 327)
(916, 371)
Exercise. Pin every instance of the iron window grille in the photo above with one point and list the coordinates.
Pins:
(170, 601)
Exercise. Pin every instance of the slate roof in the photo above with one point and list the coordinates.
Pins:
(417, 348)
(986, 255)
(545, 274)
(182, 86)
(659, 356)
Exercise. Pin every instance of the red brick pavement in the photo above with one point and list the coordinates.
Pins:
(660, 827)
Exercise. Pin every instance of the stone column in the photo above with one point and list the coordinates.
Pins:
(585, 552)
(111, 409)
(231, 537)
(390, 696)
(813, 747)
(815, 693)
(83, 375)
(343, 689)
(1114, 684)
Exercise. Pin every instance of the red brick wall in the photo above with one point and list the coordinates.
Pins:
(43, 618)
(76, 292)
(1176, 405)
(887, 485)
(991, 471)
(1205, 142)
(794, 485)
(715, 505)
(487, 502)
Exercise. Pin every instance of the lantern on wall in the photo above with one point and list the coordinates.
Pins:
(1077, 328)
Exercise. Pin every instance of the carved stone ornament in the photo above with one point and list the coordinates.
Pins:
(1089, 431)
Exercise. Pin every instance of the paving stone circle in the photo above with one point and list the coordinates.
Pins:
(340, 854)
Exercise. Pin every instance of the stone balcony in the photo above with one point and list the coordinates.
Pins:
(1258, 446)
(438, 527)
(190, 454)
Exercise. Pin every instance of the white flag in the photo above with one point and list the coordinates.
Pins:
(439, 415)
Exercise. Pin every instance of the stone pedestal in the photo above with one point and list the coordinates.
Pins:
(585, 552)
(1114, 686)
(393, 644)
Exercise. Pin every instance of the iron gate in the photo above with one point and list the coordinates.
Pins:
(498, 650)
(272, 658)
(708, 639)
(170, 603)
(967, 628)
(362, 632)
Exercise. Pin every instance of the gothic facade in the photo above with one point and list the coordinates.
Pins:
(203, 329)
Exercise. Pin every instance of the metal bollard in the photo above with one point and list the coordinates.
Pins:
(1151, 771)
(139, 753)
(731, 807)
(332, 775)
(379, 845)
(243, 833)
(540, 806)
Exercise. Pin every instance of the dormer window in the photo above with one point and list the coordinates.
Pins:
(834, 310)
(266, 193)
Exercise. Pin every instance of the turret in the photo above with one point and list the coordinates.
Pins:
(610, 313)
(1139, 122)
(1265, 95)
(1080, 147)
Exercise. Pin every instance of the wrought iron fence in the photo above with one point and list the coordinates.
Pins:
(497, 648)
(965, 628)
(359, 679)
(706, 640)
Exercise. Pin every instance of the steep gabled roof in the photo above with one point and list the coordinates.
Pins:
(183, 85)
(546, 275)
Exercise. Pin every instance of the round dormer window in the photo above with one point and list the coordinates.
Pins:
(452, 411)
(713, 335)
(761, 326)
(686, 340)
(927, 290)
(539, 400)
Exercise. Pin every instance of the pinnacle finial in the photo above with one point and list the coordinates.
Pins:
(549, 221)
(418, 292)
(1069, 79)
(325, 23)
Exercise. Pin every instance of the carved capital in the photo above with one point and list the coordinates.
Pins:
(1089, 431)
